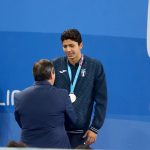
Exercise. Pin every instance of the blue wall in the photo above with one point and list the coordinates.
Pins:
(113, 32)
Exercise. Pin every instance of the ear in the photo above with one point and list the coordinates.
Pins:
(50, 76)
(81, 45)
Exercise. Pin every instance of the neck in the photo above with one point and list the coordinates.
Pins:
(73, 61)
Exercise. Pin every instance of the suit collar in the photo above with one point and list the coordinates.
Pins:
(45, 82)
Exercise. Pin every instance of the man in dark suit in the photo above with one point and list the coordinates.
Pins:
(41, 109)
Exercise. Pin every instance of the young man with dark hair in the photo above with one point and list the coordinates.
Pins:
(84, 78)
(41, 109)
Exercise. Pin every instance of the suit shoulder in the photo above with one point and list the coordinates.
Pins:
(61, 91)
(24, 91)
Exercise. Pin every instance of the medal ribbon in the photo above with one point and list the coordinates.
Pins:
(72, 85)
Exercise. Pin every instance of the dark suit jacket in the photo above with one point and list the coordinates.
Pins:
(40, 111)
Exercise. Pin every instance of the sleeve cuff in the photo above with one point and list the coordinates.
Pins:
(94, 130)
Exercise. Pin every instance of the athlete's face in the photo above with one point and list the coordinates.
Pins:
(72, 49)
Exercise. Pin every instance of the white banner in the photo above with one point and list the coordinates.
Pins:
(148, 30)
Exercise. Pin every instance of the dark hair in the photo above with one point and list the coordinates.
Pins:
(42, 70)
(72, 34)
(16, 144)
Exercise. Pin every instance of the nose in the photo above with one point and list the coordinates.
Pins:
(67, 48)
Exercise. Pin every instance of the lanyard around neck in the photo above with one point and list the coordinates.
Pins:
(72, 85)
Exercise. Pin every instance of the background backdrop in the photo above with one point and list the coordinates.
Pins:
(114, 32)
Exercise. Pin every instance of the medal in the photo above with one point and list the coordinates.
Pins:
(72, 85)
(72, 97)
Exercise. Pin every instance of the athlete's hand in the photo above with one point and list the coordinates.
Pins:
(90, 136)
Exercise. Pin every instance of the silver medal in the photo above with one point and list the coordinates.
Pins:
(72, 97)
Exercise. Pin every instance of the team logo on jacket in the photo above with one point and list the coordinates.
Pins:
(83, 72)
(62, 71)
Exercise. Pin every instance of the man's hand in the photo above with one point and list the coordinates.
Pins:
(91, 137)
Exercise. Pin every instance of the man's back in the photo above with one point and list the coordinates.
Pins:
(39, 110)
